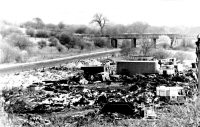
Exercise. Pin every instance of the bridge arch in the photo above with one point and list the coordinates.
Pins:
(114, 43)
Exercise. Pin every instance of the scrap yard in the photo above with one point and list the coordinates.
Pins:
(93, 92)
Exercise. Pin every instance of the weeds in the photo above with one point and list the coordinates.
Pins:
(161, 54)
(9, 54)
(181, 55)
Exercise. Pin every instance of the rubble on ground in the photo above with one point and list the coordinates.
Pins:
(61, 89)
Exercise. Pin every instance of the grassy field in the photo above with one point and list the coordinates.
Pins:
(51, 53)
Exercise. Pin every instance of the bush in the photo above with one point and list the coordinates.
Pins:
(87, 45)
(19, 41)
(70, 41)
(60, 47)
(9, 54)
(181, 55)
(164, 41)
(160, 54)
(84, 45)
(53, 41)
(8, 31)
(80, 43)
(187, 43)
(64, 39)
(76, 43)
(42, 34)
(30, 32)
(100, 42)
(53, 33)
(81, 30)
(42, 44)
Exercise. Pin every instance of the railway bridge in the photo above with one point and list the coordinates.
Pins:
(135, 36)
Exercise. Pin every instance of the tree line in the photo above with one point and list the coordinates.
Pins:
(36, 27)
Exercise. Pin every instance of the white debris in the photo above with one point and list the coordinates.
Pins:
(46, 101)
(85, 90)
(94, 62)
(150, 113)
(75, 99)
(71, 65)
(83, 81)
(91, 102)
(79, 65)
(105, 76)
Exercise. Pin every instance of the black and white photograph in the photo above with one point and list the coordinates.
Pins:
(99, 63)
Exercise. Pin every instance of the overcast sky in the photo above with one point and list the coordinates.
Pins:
(154, 12)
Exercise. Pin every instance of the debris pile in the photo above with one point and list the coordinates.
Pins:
(51, 96)
(102, 92)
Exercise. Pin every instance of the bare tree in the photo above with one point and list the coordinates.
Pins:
(146, 46)
(100, 20)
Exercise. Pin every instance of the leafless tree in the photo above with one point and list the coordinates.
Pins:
(100, 20)
(146, 46)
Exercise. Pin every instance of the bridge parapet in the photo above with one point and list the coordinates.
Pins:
(137, 36)
(141, 36)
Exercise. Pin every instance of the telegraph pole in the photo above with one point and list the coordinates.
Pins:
(198, 59)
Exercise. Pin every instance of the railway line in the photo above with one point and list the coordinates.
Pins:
(54, 62)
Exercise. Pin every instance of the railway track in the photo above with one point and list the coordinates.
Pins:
(53, 62)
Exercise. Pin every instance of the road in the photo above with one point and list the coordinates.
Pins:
(53, 62)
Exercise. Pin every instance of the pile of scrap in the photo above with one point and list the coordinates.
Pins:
(139, 90)
(95, 87)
